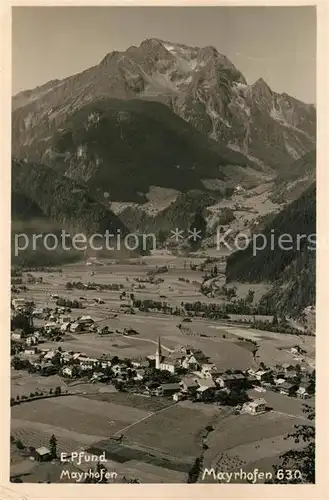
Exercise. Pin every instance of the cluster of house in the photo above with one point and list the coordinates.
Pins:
(283, 379)
(65, 324)
(57, 325)
(202, 378)
(31, 279)
(205, 378)
(28, 343)
(19, 305)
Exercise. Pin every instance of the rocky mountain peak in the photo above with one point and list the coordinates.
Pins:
(200, 85)
(261, 86)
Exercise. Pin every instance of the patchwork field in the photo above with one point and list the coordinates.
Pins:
(77, 414)
(25, 383)
(247, 441)
(167, 431)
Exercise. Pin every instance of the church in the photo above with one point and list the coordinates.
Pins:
(164, 363)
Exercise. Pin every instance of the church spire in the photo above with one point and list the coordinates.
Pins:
(158, 355)
(159, 346)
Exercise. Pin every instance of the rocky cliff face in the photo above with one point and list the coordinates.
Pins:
(199, 84)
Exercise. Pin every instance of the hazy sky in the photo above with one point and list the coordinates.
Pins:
(276, 43)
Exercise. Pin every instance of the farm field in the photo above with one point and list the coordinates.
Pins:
(248, 441)
(78, 424)
(76, 414)
(25, 383)
(167, 431)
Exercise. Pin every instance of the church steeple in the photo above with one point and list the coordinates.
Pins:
(158, 355)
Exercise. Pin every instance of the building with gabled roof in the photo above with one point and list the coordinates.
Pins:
(255, 407)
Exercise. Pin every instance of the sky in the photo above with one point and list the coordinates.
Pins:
(275, 43)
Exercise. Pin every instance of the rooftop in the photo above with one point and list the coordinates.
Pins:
(256, 402)
(170, 386)
(42, 451)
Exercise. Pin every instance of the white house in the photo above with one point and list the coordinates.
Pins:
(190, 363)
(65, 327)
(76, 327)
(302, 392)
(51, 326)
(49, 355)
(65, 319)
(18, 303)
(117, 369)
(66, 357)
(208, 370)
(279, 381)
(255, 407)
(140, 374)
(178, 396)
(206, 385)
(16, 335)
(86, 362)
(189, 384)
(86, 320)
(261, 374)
(31, 340)
(105, 363)
(30, 350)
(67, 371)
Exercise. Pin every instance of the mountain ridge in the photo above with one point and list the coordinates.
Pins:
(199, 84)
(141, 141)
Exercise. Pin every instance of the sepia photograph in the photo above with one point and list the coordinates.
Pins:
(163, 245)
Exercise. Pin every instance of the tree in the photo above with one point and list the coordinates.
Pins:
(311, 387)
(198, 227)
(302, 460)
(194, 472)
(56, 360)
(115, 360)
(99, 468)
(20, 445)
(53, 446)
(250, 296)
(275, 320)
(58, 391)
(162, 236)
(23, 321)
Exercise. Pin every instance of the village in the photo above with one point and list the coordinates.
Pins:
(44, 332)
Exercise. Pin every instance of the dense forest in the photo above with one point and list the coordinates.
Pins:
(292, 271)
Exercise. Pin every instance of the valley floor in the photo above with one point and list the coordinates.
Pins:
(161, 438)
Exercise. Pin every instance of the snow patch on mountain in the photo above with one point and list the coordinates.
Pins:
(291, 150)
(171, 48)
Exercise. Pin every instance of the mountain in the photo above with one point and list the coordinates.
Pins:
(63, 200)
(27, 221)
(289, 266)
(198, 84)
(45, 202)
(291, 183)
(179, 214)
(121, 148)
